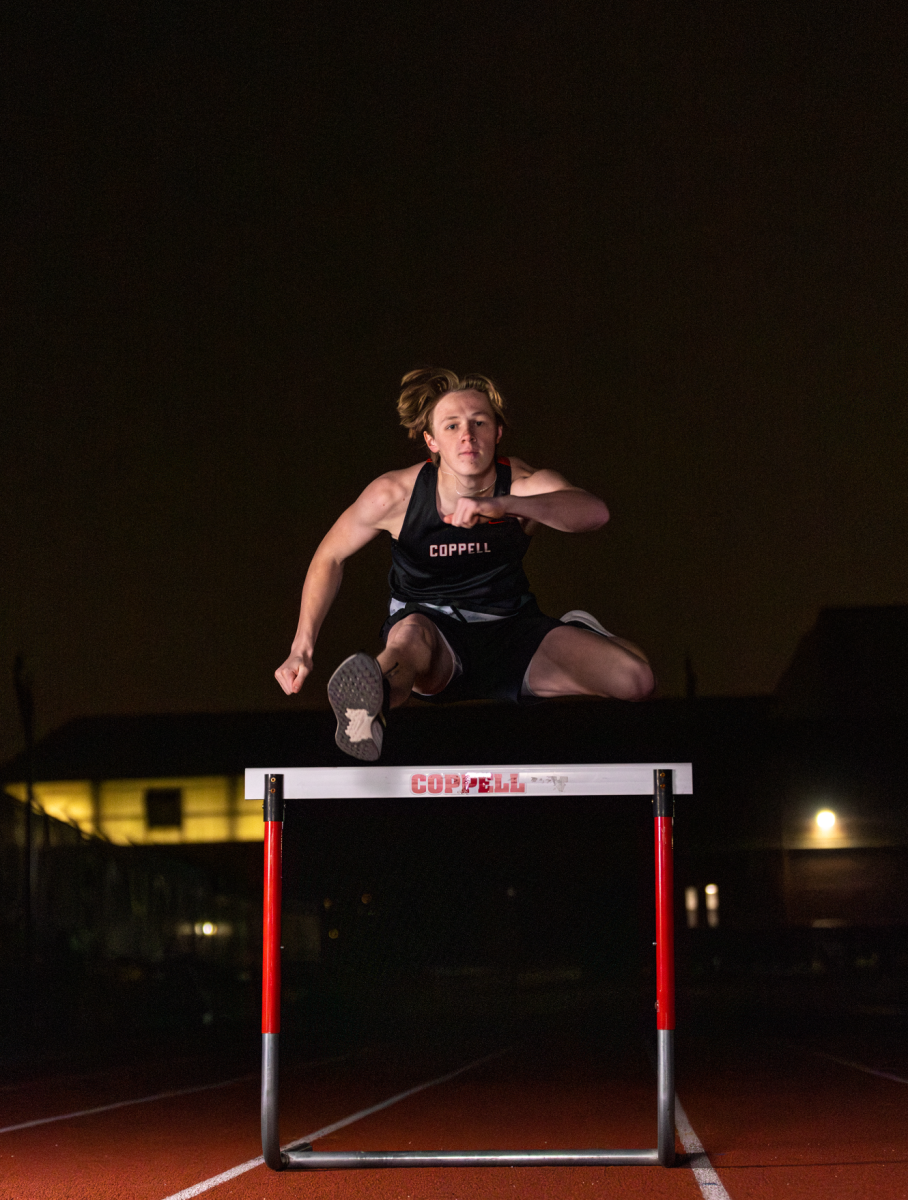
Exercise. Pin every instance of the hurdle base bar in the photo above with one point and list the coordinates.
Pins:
(338, 1160)
(309, 1160)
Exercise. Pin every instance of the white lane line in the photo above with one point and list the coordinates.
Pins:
(846, 1062)
(207, 1184)
(204, 1087)
(708, 1181)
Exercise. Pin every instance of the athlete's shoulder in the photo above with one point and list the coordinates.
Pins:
(396, 481)
(519, 469)
(388, 495)
(530, 481)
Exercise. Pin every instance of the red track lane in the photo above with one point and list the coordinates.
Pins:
(779, 1121)
(775, 1122)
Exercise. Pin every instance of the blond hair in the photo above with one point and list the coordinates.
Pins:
(422, 389)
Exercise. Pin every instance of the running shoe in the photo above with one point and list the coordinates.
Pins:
(357, 696)
(580, 618)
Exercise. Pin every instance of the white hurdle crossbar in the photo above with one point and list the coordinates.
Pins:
(275, 785)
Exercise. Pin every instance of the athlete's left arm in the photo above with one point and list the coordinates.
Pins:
(542, 497)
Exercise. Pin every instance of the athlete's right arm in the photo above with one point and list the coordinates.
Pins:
(374, 511)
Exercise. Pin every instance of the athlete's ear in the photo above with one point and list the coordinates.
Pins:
(500, 432)
(430, 441)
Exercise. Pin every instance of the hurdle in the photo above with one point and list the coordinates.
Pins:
(275, 786)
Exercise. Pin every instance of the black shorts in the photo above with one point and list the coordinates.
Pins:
(494, 655)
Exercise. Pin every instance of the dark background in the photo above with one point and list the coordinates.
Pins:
(673, 233)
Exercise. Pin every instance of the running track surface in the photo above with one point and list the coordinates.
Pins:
(775, 1119)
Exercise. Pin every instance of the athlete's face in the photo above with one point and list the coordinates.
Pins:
(464, 432)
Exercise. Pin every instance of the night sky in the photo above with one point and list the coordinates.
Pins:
(673, 233)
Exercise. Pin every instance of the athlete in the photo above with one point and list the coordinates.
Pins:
(463, 623)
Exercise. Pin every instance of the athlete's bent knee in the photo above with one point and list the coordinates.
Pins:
(635, 680)
(412, 630)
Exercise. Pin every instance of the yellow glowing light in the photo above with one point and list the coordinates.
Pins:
(209, 929)
(826, 820)
(333, 934)
(711, 889)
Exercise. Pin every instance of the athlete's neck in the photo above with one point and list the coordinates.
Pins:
(472, 486)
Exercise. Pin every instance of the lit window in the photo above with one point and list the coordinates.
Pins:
(692, 904)
(712, 905)
(164, 808)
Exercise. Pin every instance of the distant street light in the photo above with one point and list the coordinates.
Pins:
(825, 820)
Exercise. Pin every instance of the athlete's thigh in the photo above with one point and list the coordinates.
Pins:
(578, 662)
(419, 635)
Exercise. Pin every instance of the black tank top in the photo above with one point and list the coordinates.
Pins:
(478, 568)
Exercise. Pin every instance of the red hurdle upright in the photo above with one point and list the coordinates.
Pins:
(377, 782)
(663, 814)
(271, 967)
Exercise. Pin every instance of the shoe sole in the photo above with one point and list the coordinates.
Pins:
(355, 693)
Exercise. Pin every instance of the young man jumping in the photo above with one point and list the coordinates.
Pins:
(463, 623)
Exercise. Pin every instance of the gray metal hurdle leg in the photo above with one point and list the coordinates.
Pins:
(271, 1145)
(665, 1073)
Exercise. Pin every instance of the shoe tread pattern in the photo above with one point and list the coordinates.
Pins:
(356, 684)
